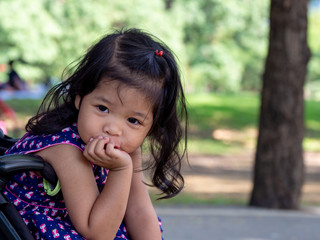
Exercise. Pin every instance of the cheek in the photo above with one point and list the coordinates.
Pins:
(84, 130)
(130, 144)
(82, 133)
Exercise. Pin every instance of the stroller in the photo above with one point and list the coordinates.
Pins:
(12, 226)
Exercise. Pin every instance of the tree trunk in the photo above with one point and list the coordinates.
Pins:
(168, 4)
(279, 168)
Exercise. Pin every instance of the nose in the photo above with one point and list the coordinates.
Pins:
(112, 128)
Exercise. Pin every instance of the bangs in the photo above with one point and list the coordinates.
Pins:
(150, 87)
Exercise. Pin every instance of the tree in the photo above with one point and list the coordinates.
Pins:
(228, 53)
(44, 36)
(314, 43)
(279, 169)
(28, 34)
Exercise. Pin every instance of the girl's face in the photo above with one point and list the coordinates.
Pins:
(116, 111)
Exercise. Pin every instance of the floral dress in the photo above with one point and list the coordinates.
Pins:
(45, 214)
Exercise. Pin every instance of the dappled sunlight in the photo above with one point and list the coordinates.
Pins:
(246, 137)
(230, 177)
(211, 184)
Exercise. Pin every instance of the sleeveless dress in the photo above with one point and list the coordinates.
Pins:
(45, 215)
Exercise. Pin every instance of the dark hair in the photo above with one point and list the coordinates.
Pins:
(128, 56)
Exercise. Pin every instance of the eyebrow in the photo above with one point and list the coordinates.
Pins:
(102, 99)
(145, 116)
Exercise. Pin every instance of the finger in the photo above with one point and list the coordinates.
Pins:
(89, 151)
(110, 149)
(100, 147)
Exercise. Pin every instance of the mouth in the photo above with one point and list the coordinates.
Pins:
(115, 147)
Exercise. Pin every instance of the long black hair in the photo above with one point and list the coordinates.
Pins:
(136, 59)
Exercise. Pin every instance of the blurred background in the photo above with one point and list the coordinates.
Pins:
(221, 47)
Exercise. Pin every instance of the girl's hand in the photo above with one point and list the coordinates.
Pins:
(102, 152)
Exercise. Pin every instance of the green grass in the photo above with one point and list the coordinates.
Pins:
(210, 112)
(237, 112)
(186, 199)
(312, 121)
(211, 146)
(24, 107)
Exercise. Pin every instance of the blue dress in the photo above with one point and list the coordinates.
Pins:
(45, 215)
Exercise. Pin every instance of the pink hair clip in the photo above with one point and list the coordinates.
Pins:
(159, 53)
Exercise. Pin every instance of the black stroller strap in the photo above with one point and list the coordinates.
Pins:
(15, 219)
(13, 164)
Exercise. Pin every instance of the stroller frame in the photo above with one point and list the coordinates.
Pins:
(12, 226)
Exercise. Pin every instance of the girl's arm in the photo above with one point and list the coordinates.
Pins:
(140, 218)
(94, 215)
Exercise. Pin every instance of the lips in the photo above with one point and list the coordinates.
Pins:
(116, 145)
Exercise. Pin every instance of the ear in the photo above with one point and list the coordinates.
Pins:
(77, 102)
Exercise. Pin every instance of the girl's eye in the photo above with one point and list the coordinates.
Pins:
(103, 108)
(134, 121)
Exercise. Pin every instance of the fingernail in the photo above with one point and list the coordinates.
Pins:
(91, 139)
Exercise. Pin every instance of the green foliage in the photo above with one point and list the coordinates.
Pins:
(28, 32)
(47, 35)
(221, 45)
(25, 35)
(313, 38)
(227, 42)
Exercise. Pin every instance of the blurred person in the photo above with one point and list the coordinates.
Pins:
(15, 83)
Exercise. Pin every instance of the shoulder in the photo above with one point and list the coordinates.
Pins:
(69, 135)
(34, 143)
(63, 148)
(61, 154)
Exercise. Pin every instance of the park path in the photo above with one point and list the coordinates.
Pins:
(231, 176)
(238, 223)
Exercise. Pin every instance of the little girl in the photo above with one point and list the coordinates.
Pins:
(90, 128)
